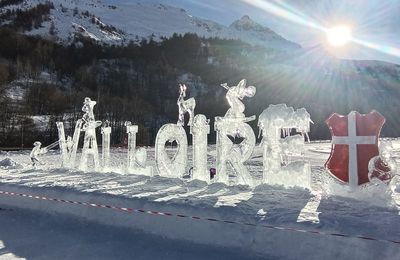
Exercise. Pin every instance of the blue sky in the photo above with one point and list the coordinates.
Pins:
(373, 21)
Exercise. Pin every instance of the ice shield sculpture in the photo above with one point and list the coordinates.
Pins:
(355, 157)
(278, 169)
(234, 125)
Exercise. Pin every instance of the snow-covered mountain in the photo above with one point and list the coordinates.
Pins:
(121, 22)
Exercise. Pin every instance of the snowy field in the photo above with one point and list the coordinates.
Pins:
(377, 216)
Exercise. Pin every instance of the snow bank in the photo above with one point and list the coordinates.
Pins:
(7, 163)
(277, 243)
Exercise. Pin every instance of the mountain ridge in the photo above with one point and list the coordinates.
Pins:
(122, 22)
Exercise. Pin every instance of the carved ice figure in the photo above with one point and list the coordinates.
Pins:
(174, 166)
(277, 169)
(382, 168)
(185, 106)
(136, 156)
(200, 129)
(106, 137)
(90, 141)
(234, 96)
(234, 125)
(36, 151)
(88, 106)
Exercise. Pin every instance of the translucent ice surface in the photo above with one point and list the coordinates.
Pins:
(277, 121)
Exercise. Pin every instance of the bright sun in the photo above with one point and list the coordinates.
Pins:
(339, 35)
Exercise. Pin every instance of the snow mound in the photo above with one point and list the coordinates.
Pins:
(7, 163)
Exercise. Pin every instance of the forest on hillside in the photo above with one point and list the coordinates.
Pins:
(45, 81)
(137, 82)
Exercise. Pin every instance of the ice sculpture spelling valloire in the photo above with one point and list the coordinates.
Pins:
(235, 144)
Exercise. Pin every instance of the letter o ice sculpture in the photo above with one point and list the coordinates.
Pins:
(174, 167)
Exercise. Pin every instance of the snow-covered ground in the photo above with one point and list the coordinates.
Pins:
(376, 216)
(31, 235)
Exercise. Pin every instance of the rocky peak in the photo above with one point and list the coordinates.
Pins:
(247, 24)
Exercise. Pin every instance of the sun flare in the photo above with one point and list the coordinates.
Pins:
(338, 36)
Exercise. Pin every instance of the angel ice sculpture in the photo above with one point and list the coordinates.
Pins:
(185, 106)
(234, 96)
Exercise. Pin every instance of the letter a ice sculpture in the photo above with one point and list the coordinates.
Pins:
(233, 124)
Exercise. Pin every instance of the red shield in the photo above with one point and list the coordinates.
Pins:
(354, 143)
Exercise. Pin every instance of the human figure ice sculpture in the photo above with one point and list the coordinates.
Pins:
(90, 141)
(234, 124)
(277, 169)
(185, 106)
(36, 151)
(234, 96)
(382, 168)
(88, 116)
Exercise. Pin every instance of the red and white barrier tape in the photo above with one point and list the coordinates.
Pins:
(151, 212)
